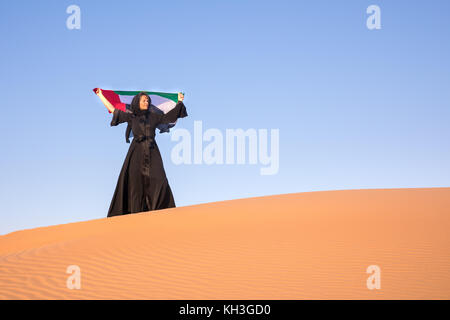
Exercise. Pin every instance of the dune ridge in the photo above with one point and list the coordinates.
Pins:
(311, 245)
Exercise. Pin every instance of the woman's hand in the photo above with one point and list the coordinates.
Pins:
(180, 96)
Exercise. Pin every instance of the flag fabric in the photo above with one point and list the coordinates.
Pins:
(162, 102)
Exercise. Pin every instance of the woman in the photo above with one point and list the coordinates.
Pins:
(142, 184)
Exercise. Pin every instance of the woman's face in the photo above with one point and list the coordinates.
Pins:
(143, 103)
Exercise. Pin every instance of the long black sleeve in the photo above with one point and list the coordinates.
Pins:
(179, 111)
(120, 116)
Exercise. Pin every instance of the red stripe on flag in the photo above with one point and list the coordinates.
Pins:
(113, 98)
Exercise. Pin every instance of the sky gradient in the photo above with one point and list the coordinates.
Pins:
(355, 108)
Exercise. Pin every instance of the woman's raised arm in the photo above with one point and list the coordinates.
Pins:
(107, 104)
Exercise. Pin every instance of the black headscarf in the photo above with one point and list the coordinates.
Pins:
(137, 111)
(135, 104)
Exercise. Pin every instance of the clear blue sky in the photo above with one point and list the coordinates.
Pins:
(355, 108)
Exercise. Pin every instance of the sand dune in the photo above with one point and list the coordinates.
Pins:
(314, 245)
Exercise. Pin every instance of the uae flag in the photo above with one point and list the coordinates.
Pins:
(162, 102)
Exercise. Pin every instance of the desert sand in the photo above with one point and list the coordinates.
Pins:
(312, 245)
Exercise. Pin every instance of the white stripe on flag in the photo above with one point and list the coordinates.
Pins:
(164, 104)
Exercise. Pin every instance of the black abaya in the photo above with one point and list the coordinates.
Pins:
(142, 184)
